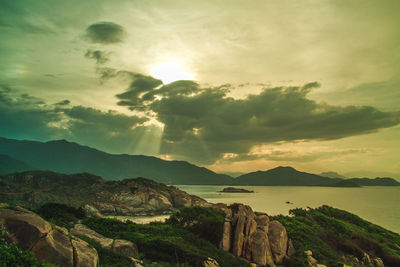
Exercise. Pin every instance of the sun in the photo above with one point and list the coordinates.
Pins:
(171, 71)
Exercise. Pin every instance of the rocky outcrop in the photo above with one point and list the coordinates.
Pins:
(48, 243)
(129, 197)
(253, 237)
(123, 247)
(210, 263)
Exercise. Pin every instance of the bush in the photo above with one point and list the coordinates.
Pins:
(164, 242)
(206, 223)
(60, 214)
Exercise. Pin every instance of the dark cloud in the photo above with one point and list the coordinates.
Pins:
(105, 33)
(27, 117)
(101, 57)
(141, 85)
(202, 124)
(63, 102)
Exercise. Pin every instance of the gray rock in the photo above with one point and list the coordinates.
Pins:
(278, 240)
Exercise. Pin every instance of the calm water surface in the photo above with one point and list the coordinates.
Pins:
(380, 205)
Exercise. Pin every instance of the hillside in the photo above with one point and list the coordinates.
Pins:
(128, 197)
(66, 157)
(284, 176)
(385, 181)
(10, 165)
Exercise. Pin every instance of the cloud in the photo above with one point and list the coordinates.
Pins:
(63, 102)
(139, 86)
(27, 117)
(203, 124)
(105, 33)
(101, 57)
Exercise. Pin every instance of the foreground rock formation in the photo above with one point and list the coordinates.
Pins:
(253, 237)
(128, 197)
(50, 244)
(123, 247)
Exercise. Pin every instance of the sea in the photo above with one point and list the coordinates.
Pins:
(376, 204)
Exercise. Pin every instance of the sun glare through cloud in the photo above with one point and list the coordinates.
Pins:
(171, 71)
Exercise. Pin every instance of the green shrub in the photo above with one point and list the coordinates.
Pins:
(164, 242)
(206, 223)
(60, 214)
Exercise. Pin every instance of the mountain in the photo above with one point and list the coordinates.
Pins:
(385, 181)
(332, 175)
(284, 176)
(67, 157)
(10, 165)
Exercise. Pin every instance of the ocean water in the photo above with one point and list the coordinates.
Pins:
(379, 205)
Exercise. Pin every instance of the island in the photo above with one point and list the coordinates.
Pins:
(235, 190)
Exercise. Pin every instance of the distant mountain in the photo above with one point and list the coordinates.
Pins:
(332, 175)
(385, 181)
(66, 157)
(284, 176)
(345, 183)
(10, 165)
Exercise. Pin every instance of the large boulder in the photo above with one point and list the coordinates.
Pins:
(253, 237)
(83, 230)
(278, 240)
(260, 249)
(123, 247)
(48, 244)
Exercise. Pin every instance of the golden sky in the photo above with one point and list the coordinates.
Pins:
(235, 86)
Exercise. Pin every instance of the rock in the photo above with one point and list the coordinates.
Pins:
(377, 262)
(48, 244)
(56, 248)
(84, 255)
(366, 259)
(129, 197)
(242, 215)
(226, 236)
(91, 211)
(311, 261)
(125, 248)
(278, 240)
(308, 252)
(262, 222)
(26, 228)
(260, 249)
(83, 230)
(136, 262)
(235, 190)
(290, 249)
(210, 263)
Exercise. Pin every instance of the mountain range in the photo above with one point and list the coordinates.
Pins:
(69, 158)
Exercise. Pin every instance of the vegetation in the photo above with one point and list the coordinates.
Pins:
(332, 233)
(167, 242)
(11, 255)
(200, 221)
(60, 214)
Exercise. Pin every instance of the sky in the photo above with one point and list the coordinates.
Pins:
(235, 86)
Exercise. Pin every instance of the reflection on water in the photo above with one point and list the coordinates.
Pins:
(379, 205)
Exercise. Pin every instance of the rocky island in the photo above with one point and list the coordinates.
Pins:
(235, 190)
